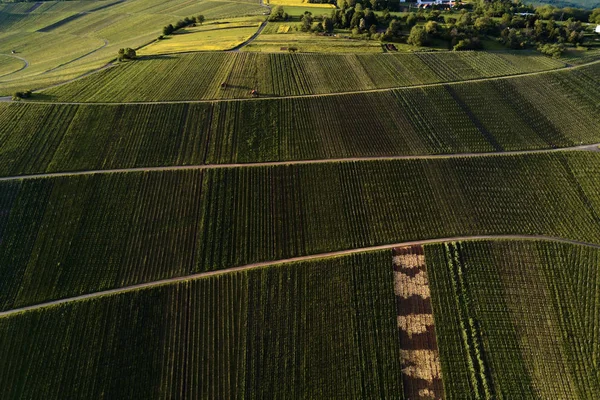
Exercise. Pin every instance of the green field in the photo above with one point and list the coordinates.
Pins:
(531, 310)
(199, 76)
(57, 233)
(331, 333)
(63, 40)
(535, 112)
(341, 221)
(324, 328)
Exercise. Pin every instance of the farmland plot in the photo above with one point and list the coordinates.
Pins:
(318, 329)
(181, 77)
(464, 118)
(57, 233)
(517, 319)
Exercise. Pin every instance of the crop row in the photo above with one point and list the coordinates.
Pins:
(318, 329)
(511, 114)
(56, 233)
(535, 308)
(199, 76)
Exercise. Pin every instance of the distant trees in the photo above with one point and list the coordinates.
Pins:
(182, 23)
(126, 54)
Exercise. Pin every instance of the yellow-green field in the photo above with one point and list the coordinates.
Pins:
(298, 3)
(219, 35)
(9, 65)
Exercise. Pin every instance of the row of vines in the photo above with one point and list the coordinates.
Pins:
(319, 329)
(199, 76)
(71, 235)
(539, 112)
(517, 319)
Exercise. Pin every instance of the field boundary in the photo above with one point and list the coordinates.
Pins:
(263, 264)
(594, 147)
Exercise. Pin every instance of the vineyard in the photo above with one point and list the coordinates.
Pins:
(199, 76)
(57, 233)
(509, 114)
(517, 319)
(320, 329)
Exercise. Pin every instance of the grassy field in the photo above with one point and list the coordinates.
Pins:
(331, 333)
(9, 65)
(545, 111)
(64, 40)
(199, 76)
(217, 35)
(517, 319)
(57, 233)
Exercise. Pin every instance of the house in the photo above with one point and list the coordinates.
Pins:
(598, 28)
(429, 3)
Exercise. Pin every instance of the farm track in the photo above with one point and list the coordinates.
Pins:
(388, 89)
(586, 147)
(257, 33)
(288, 260)
(18, 70)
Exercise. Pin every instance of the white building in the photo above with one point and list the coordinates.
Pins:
(597, 28)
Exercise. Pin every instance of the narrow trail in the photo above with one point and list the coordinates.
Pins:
(78, 58)
(353, 92)
(595, 147)
(26, 65)
(285, 261)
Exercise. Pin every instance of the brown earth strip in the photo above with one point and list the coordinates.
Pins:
(421, 368)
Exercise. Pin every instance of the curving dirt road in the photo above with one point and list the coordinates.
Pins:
(284, 261)
(26, 65)
(586, 147)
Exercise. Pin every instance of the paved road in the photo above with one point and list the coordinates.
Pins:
(287, 260)
(585, 147)
(258, 32)
(425, 85)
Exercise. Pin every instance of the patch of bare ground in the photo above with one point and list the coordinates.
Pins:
(421, 369)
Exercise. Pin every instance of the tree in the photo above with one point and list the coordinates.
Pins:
(200, 19)
(594, 17)
(431, 27)
(327, 24)
(277, 14)
(417, 36)
(167, 30)
(411, 20)
(552, 50)
(307, 20)
(126, 54)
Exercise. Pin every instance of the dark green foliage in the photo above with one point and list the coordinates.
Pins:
(532, 304)
(318, 329)
(157, 225)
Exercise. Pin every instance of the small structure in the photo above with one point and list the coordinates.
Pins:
(224, 85)
(598, 28)
(429, 3)
(13, 52)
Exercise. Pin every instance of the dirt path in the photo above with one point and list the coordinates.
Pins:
(288, 260)
(421, 86)
(585, 147)
(78, 58)
(26, 65)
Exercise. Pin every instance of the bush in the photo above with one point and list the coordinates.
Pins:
(126, 54)
(22, 95)
(468, 44)
(552, 50)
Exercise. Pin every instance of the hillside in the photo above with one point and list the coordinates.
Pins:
(290, 200)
